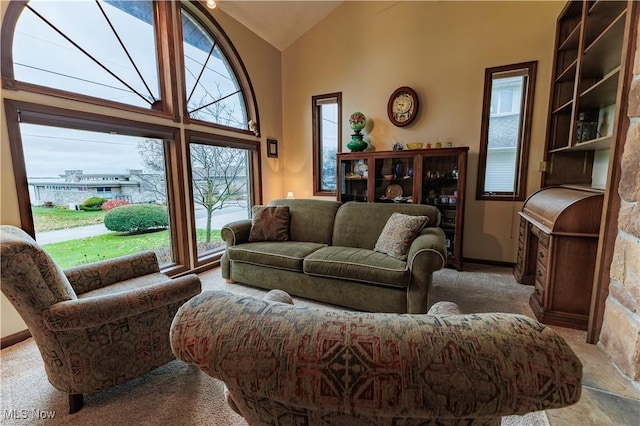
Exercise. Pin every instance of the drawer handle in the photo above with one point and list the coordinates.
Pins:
(541, 255)
(539, 272)
(537, 291)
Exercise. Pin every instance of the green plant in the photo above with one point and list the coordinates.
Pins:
(92, 204)
(136, 218)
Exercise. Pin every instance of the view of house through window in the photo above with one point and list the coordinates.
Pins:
(99, 185)
(505, 131)
(94, 195)
(326, 141)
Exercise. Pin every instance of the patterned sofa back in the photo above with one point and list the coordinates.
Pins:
(360, 224)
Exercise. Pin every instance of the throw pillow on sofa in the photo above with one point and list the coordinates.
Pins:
(269, 223)
(398, 234)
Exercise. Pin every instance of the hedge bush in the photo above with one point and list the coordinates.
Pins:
(136, 218)
(92, 204)
(112, 204)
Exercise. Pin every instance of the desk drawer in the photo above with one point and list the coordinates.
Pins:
(543, 255)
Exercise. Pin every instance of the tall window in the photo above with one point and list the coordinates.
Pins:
(327, 129)
(128, 56)
(506, 131)
(222, 183)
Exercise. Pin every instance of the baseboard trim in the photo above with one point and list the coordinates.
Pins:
(14, 338)
(489, 262)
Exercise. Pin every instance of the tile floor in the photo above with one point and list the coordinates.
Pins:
(608, 397)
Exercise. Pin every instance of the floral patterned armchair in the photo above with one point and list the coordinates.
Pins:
(95, 325)
(285, 364)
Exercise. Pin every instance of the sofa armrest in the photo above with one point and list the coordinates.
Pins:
(428, 248)
(80, 314)
(96, 275)
(418, 366)
(236, 232)
(427, 255)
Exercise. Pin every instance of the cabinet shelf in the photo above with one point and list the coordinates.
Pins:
(563, 109)
(603, 55)
(601, 94)
(568, 74)
(572, 40)
(600, 16)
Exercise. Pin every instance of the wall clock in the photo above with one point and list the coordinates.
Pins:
(403, 106)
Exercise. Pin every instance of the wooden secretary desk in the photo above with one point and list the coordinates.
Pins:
(558, 242)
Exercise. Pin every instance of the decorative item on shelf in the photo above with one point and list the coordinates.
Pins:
(357, 121)
(587, 126)
(455, 172)
(449, 143)
(409, 172)
(415, 145)
(439, 143)
(398, 145)
(398, 169)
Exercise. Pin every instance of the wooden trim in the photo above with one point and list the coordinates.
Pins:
(490, 262)
(6, 44)
(316, 103)
(14, 338)
(234, 60)
(210, 139)
(524, 132)
(165, 41)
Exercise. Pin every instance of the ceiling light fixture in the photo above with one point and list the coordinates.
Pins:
(211, 4)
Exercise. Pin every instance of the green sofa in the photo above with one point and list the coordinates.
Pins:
(329, 256)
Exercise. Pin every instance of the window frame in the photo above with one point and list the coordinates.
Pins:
(16, 111)
(165, 116)
(316, 104)
(524, 132)
(253, 148)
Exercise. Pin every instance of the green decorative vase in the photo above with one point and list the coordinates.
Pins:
(357, 144)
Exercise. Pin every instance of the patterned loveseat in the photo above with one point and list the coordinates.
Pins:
(329, 256)
(286, 365)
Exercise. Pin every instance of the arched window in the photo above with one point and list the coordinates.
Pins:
(118, 51)
(167, 62)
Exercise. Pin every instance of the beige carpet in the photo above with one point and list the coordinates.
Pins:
(178, 394)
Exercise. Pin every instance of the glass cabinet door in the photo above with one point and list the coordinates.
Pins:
(440, 189)
(354, 174)
(394, 179)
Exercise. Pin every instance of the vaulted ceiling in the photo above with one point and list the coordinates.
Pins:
(280, 23)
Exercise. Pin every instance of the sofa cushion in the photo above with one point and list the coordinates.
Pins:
(269, 223)
(282, 255)
(357, 264)
(398, 234)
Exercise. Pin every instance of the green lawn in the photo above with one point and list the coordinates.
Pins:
(107, 246)
(86, 250)
(50, 219)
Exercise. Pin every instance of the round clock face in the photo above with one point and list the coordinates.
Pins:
(403, 106)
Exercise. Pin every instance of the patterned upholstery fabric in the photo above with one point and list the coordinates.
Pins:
(101, 324)
(287, 364)
(398, 234)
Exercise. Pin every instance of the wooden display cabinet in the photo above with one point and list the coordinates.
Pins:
(426, 176)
